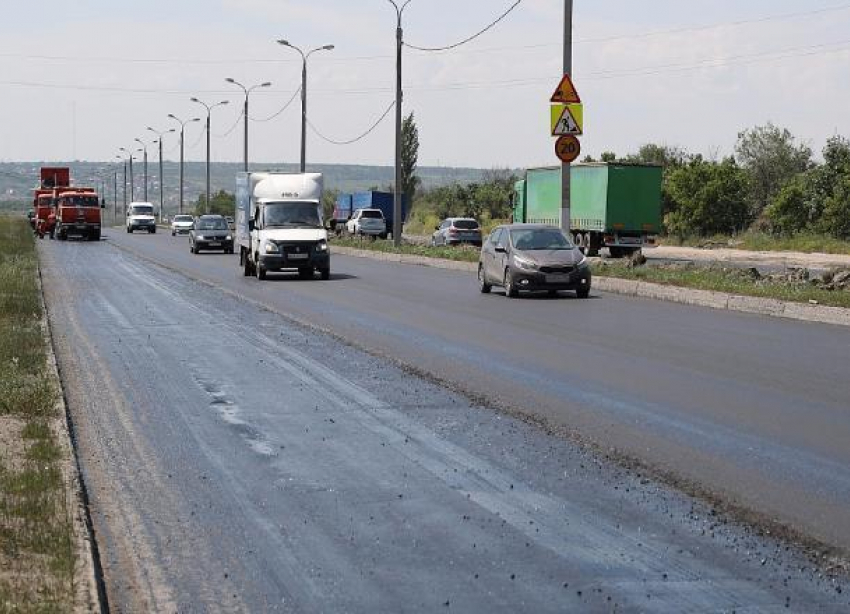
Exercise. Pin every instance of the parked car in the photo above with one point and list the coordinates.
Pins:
(182, 224)
(532, 257)
(367, 222)
(210, 232)
(455, 230)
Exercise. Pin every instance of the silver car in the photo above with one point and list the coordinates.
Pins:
(182, 224)
(455, 230)
(532, 257)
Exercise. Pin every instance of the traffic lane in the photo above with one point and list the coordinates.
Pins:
(237, 461)
(751, 408)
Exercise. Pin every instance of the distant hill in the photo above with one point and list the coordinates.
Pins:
(17, 179)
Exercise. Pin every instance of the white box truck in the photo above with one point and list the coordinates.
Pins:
(279, 225)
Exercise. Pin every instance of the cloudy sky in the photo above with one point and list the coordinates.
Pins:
(81, 78)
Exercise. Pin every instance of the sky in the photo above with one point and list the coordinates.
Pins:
(79, 79)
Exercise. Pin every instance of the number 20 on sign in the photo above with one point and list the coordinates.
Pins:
(567, 148)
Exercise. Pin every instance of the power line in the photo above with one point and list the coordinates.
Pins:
(231, 129)
(354, 140)
(286, 106)
(470, 38)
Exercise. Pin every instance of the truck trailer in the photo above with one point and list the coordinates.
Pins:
(279, 224)
(617, 206)
(347, 204)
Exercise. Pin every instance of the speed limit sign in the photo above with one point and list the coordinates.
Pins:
(567, 148)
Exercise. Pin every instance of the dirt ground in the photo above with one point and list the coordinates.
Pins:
(746, 257)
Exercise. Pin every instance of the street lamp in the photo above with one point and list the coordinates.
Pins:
(304, 57)
(399, 96)
(209, 109)
(145, 150)
(182, 133)
(132, 184)
(247, 91)
(161, 178)
(124, 160)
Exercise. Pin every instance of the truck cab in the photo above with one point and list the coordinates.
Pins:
(279, 225)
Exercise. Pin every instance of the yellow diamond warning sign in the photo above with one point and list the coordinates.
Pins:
(567, 119)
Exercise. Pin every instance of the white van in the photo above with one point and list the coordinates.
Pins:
(140, 216)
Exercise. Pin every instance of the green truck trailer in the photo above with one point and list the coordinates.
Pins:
(617, 206)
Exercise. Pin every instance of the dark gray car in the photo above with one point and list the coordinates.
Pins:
(532, 257)
(211, 232)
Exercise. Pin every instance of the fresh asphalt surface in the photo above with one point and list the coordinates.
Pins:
(238, 461)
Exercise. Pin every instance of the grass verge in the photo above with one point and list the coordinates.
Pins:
(37, 554)
(717, 279)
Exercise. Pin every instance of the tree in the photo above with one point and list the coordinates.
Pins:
(790, 211)
(710, 198)
(608, 156)
(221, 203)
(329, 203)
(409, 158)
(773, 157)
(665, 155)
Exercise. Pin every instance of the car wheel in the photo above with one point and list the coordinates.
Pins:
(152, 230)
(325, 274)
(259, 270)
(482, 282)
(583, 292)
(173, 233)
(129, 230)
(510, 289)
(191, 248)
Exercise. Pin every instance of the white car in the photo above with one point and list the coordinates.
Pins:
(181, 224)
(367, 222)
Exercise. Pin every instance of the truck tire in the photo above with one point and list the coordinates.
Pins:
(259, 270)
(130, 229)
(616, 252)
(245, 262)
(152, 230)
(95, 235)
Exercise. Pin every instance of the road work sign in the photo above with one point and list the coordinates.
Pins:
(567, 119)
(567, 148)
(566, 92)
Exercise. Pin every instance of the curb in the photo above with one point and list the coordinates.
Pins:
(806, 312)
(90, 592)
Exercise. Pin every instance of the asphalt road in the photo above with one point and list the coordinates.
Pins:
(237, 460)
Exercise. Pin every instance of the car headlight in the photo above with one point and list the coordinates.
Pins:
(271, 248)
(199, 237)
(322, 246)
(228, 238)
(522, 263)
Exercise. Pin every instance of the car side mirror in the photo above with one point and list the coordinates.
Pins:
(103, 203)
(500, 249)
(250, 225)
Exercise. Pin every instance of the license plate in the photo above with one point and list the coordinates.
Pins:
(557, 279)
(214, 244)
(298, 256)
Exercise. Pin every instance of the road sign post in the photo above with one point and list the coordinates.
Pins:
(564, 95)
(567, 148)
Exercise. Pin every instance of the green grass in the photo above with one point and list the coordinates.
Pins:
(807, 243)
(718, 279)
(722, 279)
(36, 535)
(462, 253)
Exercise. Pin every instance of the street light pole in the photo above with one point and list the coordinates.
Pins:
(399, 96)
(132, 183)
(124, 183)
(182, 134)
(568, 70)
(247, 91)
(160, 134)
(145, 150)
(209, 109)
(304, 57)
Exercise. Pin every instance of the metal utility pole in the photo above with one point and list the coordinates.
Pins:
(182, 134)
(247, 91)
(145, 151)
(160, 134)
(568, 70)
(209, 109)
(124, 184)
(399, 96)
(115, 197)
(304, 57)
(132, 183)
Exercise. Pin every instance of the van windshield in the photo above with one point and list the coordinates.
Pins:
(298, 214)
(137, 210)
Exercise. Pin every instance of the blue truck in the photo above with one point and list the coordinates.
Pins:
(347, 204)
